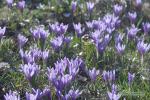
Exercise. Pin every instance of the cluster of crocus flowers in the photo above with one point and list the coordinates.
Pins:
(63, 73)
(39, 95)
(12, 96)
(20, 4)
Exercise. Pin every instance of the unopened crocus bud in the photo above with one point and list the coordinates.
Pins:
(12, 96)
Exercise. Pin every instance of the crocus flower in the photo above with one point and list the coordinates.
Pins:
(2, 31)
(130, 78)
(59, 29)
(119, 38)
(78, 29)
(30, 70)
(12, 96)
(57, 42)
(45, 54)
(21, 5)
(73, 94)
(9, 3)
(146, 27)
(120, 48)
(117, 9)
(109, 75)
(22, 40)
(113, 96)
(30, 96)
(132, 31)
(93, 74)
(142, 47)
(46, 94)
(90, 6)
(132, 17)
(138, 3)
(39, 33)
(73, 6)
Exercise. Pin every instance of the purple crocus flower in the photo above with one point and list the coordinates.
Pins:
(12, 96)
(90, 6)
(146, 27)
(142, 47)
(93, 74)
(2, 31)
(21, 5)
(132, 31)
(22, 40)
(119, 38)
(117, 9)
(78, 29)
(46, 93)
(132, 17)
(9, 3)
(73, 94)
(130, 78)
(45, 54)
(120, 48)
(109, 76)
(30, 96)
(30, 70)
(113, 96)
(138, 3)
(73, 6)
(39, 33)
(59, 29)
(57, 42)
